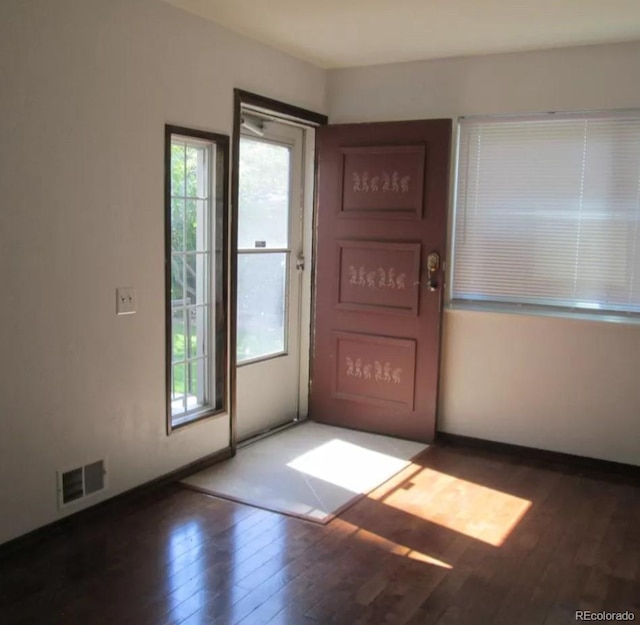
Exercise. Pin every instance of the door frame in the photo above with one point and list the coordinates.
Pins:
(284, 112)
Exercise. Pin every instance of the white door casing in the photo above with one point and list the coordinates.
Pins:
(274, 284)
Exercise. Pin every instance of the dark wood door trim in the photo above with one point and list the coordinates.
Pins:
(287, 112)
(290, 111)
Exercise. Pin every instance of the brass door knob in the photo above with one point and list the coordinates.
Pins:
(433, 264)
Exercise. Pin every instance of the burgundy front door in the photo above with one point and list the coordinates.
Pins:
(382, 219)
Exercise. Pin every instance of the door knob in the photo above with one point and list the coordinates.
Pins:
(433, 264)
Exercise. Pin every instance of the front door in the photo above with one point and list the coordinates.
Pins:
(270, 250)
(381, 240)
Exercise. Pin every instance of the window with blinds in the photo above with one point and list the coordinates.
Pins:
(548, 211)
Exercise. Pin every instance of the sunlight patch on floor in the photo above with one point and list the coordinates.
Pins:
(347, 465)
(469, 508)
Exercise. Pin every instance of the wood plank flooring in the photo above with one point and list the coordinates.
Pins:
(460, 537)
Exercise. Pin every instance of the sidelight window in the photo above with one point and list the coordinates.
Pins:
(195, 263)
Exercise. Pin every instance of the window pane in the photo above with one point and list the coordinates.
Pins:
(178, 403)
(197, 377)
(261, 305)
(196, 225)
(177, 280)
(177, 169)
(178, 335)
(197, 331)
(197, 274)
(177, 225)
(263, 195)
(196, 173)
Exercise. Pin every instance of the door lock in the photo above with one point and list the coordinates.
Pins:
(433, 264)
(300, 262)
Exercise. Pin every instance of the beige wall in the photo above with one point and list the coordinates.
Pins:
(565, 385)
(593, 77)
(86, 88)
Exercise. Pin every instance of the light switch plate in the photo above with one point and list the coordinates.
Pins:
(125, 300)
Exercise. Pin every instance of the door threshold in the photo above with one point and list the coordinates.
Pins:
(270, 432)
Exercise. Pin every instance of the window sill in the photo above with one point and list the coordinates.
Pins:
(179, 423)
(546, 311)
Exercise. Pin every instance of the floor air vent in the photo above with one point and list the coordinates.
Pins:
(80, 482)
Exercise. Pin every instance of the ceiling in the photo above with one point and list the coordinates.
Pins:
(345, 33)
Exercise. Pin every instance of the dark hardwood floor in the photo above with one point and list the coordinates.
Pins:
(462, 536)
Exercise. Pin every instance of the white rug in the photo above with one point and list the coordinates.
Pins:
(311, 470)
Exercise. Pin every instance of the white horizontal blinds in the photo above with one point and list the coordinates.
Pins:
(548, 211)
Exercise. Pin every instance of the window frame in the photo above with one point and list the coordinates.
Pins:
(218, 249)
(495, 305)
